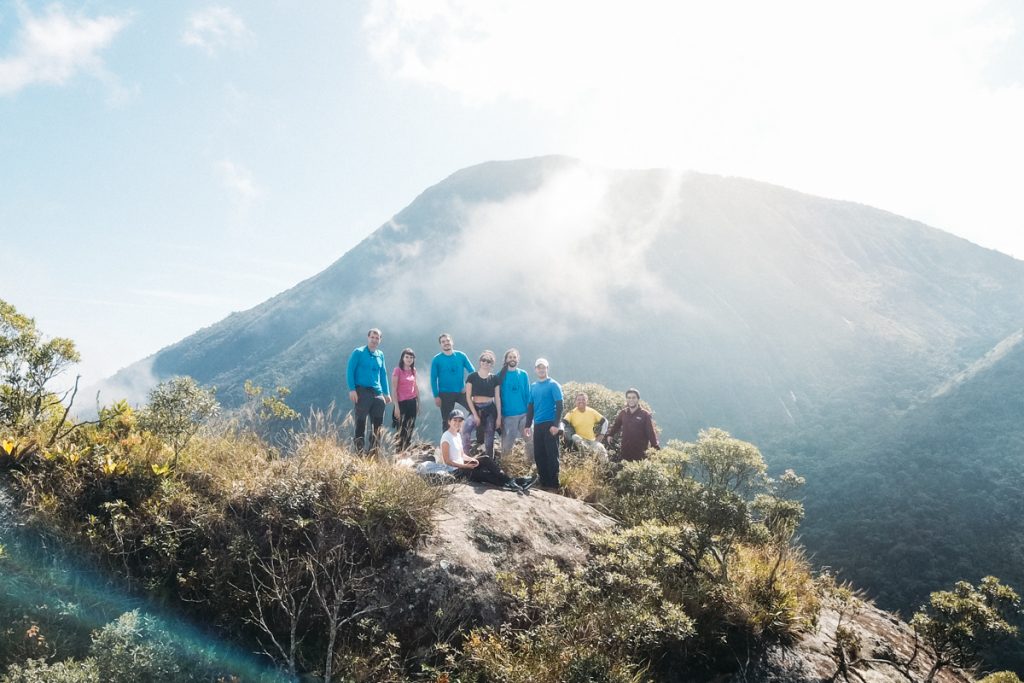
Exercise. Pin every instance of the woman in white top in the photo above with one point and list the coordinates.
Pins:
(482, 469)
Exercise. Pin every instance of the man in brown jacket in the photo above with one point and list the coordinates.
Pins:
(637, 427)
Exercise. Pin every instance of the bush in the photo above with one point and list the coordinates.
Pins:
(1001, 677)
(39, 671)
(957, 625)
(772, 598)
(584, 477)
(553, 635)
(233, 532)
(138, 648)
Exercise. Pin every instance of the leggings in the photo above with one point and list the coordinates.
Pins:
(485, 430)
(408, 409)
(486, 472)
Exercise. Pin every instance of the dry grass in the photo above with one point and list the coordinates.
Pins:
(585, 478)
(517, 462)
(775, 598)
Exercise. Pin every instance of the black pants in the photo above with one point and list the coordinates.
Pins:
(449, 399)
(486, 472)
(485, 428)
(545, 453)
(408, 409)
(368, 404)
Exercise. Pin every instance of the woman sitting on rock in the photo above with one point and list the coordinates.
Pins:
(482, 469)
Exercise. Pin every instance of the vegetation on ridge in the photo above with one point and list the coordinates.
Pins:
(132, 542)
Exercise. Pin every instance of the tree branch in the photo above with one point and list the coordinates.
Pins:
(67, 409)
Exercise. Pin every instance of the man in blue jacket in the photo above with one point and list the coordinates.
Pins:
(545, 411)
(368, 388)
(448, 372)
(515, 397)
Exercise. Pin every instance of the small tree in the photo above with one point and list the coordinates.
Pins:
(729, 470)
(957, 625)
(27, 365)
(263, 410)
(177, 409)
(707, 487)
(725, 463)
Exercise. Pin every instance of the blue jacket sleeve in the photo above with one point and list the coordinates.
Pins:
(385, 389)
(466, 364)
(434, 378)
(350, 375)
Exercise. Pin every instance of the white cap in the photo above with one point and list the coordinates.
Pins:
(542, 361)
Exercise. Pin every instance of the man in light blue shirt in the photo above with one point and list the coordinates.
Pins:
(545, 411)
(448, 372)
(515, 397)
(368, 389)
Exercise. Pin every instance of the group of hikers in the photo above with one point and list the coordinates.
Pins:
(479, 404)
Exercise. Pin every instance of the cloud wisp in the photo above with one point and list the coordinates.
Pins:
(215, 29)
(585, 242)
(54, 47)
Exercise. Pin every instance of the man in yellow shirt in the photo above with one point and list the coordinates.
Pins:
(588, 427)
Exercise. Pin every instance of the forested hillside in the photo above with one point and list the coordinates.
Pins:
(933, 494)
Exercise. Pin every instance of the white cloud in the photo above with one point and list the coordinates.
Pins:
(891, 104)
(55, 46)
(581, 235)
(132, 384)
(216, 28)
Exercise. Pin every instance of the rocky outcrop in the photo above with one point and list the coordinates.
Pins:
(449, 582)
(884, 638)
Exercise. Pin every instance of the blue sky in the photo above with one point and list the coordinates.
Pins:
(164, 164)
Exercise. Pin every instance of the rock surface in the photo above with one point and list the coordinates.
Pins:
(449, 582)
(482, 530)
(882, 635)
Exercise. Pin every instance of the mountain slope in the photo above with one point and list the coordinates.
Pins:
(728, 302)
(937, 498)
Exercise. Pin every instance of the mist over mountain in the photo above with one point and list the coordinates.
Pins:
(849, 342)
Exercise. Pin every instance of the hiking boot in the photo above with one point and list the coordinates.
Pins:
(526, 482)
(511, 485)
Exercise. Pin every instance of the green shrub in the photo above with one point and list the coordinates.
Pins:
(957, 625)
(231, 532)
(772, 598)
(553, 635)
(39, 671)
(138, 648)
(1001, 677)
